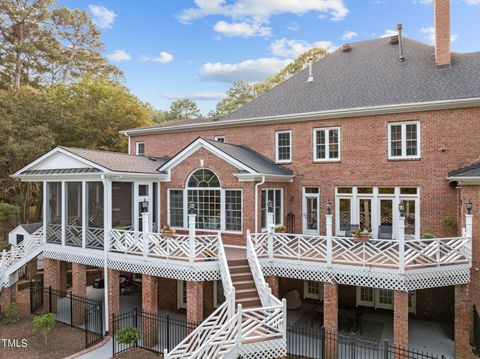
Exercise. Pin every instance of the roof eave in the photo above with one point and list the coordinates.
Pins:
(318, 115)
(255, 177)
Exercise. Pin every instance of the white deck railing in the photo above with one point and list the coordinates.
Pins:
(379, 253)
(19, 255)
(170, 247)
(228, 288)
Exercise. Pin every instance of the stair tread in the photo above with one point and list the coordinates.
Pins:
(245, 290)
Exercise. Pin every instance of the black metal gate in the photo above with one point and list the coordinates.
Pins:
(76, 311)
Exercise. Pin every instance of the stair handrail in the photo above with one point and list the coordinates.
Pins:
(264, 291)
(228, 288)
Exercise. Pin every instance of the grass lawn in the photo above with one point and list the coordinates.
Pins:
(63, 341)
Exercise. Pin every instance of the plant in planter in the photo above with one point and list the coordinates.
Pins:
(209, 255)
(167, 230)
(282, 229)
(427, 235)
(128, 336)
(450, 225)
(361, 235)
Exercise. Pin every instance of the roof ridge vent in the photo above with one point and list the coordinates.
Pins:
(310, 72)
(346, 47)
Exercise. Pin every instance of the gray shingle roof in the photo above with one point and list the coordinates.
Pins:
(251, 158)
(60, 171)
(31, 227)
(119, 162)
(468, 171)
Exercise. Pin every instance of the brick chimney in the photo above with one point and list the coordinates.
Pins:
(442, 33)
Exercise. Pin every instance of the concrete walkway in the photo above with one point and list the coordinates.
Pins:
(103, 352)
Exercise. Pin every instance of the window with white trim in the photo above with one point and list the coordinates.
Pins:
(276, 196)
(326, 144)
(283, 146)
(140, 148)
(215, 208)
(220, 138)
(404, 140)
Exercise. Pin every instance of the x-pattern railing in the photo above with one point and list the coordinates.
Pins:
(262, 323)
(95, 237)
(168, 247)
(127, 242)
(54, 233)
(73, 235)
(380, 253)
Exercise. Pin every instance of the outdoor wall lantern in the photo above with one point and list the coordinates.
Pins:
(329, 207)
(469, 206)
(270, 206)
(144, 206)
(191, 207)
(401, 208)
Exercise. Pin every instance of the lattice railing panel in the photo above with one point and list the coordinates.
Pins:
(54, 233)
(169, 247)
(206, 247)
(73, 235)
(260, 242)
(437, 252)
(127, 242)
(95, 237)
(294, 245)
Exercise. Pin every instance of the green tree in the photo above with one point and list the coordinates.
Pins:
(183, 109)
(128, 336)
(10, 315)
(42, 324)
(239, 94)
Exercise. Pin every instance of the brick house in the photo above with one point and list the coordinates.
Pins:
(376, 137)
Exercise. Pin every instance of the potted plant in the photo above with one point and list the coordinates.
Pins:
(361, 235)
(282, 229)
(167, 231)
(209, 255)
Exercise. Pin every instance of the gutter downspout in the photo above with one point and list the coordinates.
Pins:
(256, 202)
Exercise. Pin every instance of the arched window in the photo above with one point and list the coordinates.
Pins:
(215, 208)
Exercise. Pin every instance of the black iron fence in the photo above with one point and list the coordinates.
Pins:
(476, 330)
(158, 331)
(304, 342)
(76, 311)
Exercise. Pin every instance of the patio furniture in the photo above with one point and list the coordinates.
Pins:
(293, 299)
(98, 283)
(385, 231)
(350, 228)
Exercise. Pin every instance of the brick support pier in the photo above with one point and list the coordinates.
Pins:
(150, 304)
(463, 313)
(5, 298)
(195, 301)
(113, 295)
(79, 289)
(32, 269)
(274, 285)
(330, 319)
(51, 279)
(400, 320)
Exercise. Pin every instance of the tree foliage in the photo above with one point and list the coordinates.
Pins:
(243, 92)
(42, 324)
(183, 109)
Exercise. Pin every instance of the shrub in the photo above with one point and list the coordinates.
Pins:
(450, 225)
(42, 324)
(427, 235)
(128, 336)
(10, 315)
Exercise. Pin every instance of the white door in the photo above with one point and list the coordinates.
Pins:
(381, 298)
(143, 192)
(311, 211)
(181, 294)
(312, 289)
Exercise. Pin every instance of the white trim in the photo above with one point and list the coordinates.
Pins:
(180, 294)
(319, 115)
(266, 203)
(247, 177)
(129, 145)
(327, 144)
(277, 133)
(403, 125)
(305, 197)
(307, 294)
(137, 152)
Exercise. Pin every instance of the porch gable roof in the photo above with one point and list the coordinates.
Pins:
(470, 173)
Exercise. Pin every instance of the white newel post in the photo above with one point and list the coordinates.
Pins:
(468, 225)
(401, 244)
(271, 233)
(329, 225)
(191, 236)
(144, 232)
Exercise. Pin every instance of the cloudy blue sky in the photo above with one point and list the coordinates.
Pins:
(171, 49)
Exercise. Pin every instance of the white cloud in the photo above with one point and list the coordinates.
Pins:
(348, 35)
(195, 96)
(119, 55)
(102, 17)
(389, 33)
(429, 34)
(243, 29)
(263, 9)
(163, 58)
(248, 70)
(294, 26)
(473, 2)
(294, 48)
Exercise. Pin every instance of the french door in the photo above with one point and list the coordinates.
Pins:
(311, 210)
(312, 289)
(143, 192)
(381, 298)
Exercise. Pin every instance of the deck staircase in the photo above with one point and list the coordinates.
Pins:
(251, 323)
(18, 256)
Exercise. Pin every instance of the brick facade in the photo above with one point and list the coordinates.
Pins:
(167, 293)
(400, 320)
(150, 304)
(51, 278)
(113, 294)
(195, 301)
(79, 288)
(274, 285)
(330, 317)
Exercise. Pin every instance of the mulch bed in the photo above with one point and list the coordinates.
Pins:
(63, 341)
(138, 354)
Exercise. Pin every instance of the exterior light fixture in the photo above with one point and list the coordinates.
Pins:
(144, 206)
(270, 206)
(401, 208)
(469, 206)
(191, 207)
(329, 207)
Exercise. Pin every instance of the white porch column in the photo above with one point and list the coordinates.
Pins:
(401, 243)
(84, 214)
(329, 228)
(63, 211)
(191, 235)
(271, 233)
(144, 234)
(107, 223)
(45, 214)
(468, 225)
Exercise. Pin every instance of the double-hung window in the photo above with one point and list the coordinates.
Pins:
(283, 146)
(404, 140)
(215, 208)
(276, 197)
(140, 148)
(326, 144)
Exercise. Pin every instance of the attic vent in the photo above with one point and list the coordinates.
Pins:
(346, 47)
(394, 40)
